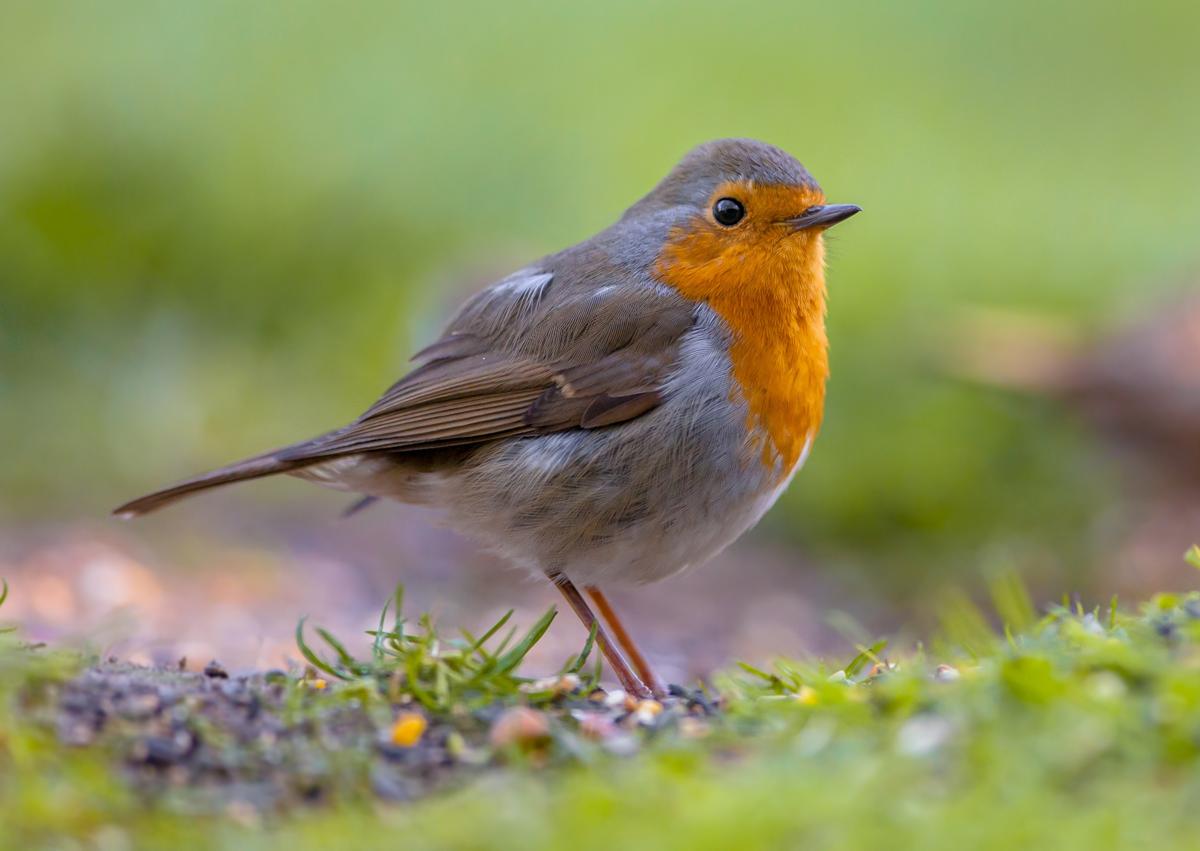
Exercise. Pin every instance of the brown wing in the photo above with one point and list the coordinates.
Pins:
(577, 360)
(475, 395)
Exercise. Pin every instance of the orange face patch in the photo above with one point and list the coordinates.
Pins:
(767, 281)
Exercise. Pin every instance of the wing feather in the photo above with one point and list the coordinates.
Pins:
(600, 361)
(524, 357)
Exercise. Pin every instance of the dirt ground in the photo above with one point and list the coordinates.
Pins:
(212, 741)
(198, 585)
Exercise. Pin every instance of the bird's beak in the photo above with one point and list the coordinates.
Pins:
(823, 216)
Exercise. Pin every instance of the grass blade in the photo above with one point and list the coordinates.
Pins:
(582, 658)
(758, 672)
(3, 597)
(507, 640)
(310, 655)
(513, 657)
(483, 639)
(865, 655)
(398, 612)
(347, 661)
(377, 652)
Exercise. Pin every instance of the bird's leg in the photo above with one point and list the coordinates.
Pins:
(629, 680)
(626, 641)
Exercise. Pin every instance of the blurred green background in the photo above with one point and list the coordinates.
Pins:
(224, 226)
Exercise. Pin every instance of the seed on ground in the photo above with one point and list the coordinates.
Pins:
(408, 729)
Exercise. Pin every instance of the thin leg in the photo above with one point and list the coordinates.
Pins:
(626, 641)
(628, 678)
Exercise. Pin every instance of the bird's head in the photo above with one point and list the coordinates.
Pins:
(744, 232)
(748, 216)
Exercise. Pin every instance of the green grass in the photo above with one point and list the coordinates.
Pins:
(443, 674)
(1076, 728)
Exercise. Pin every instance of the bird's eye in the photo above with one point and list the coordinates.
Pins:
(728, 211)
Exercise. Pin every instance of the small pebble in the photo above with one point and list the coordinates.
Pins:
(597, 695)
(137, 707)
(568, 683)
(556, 685)
(597, 727)
(616, 699)
(162, 751)
(521, 726)
(946, 674)
(646, 711)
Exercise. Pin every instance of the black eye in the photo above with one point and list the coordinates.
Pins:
(728, 211)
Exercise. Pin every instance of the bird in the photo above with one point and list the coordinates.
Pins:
(620, 410)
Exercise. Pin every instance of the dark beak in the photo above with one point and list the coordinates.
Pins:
(823, 216)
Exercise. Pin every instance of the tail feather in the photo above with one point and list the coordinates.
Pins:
(252, 468)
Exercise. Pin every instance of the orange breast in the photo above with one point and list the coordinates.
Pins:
(768, 284)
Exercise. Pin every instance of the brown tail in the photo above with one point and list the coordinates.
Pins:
(252, 468)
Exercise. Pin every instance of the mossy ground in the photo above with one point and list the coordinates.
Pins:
(1077, 728)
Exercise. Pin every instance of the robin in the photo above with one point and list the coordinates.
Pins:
(620, 410)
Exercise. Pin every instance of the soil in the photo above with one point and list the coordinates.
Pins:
(268, 741)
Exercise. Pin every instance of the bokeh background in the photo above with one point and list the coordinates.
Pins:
(224, 226)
